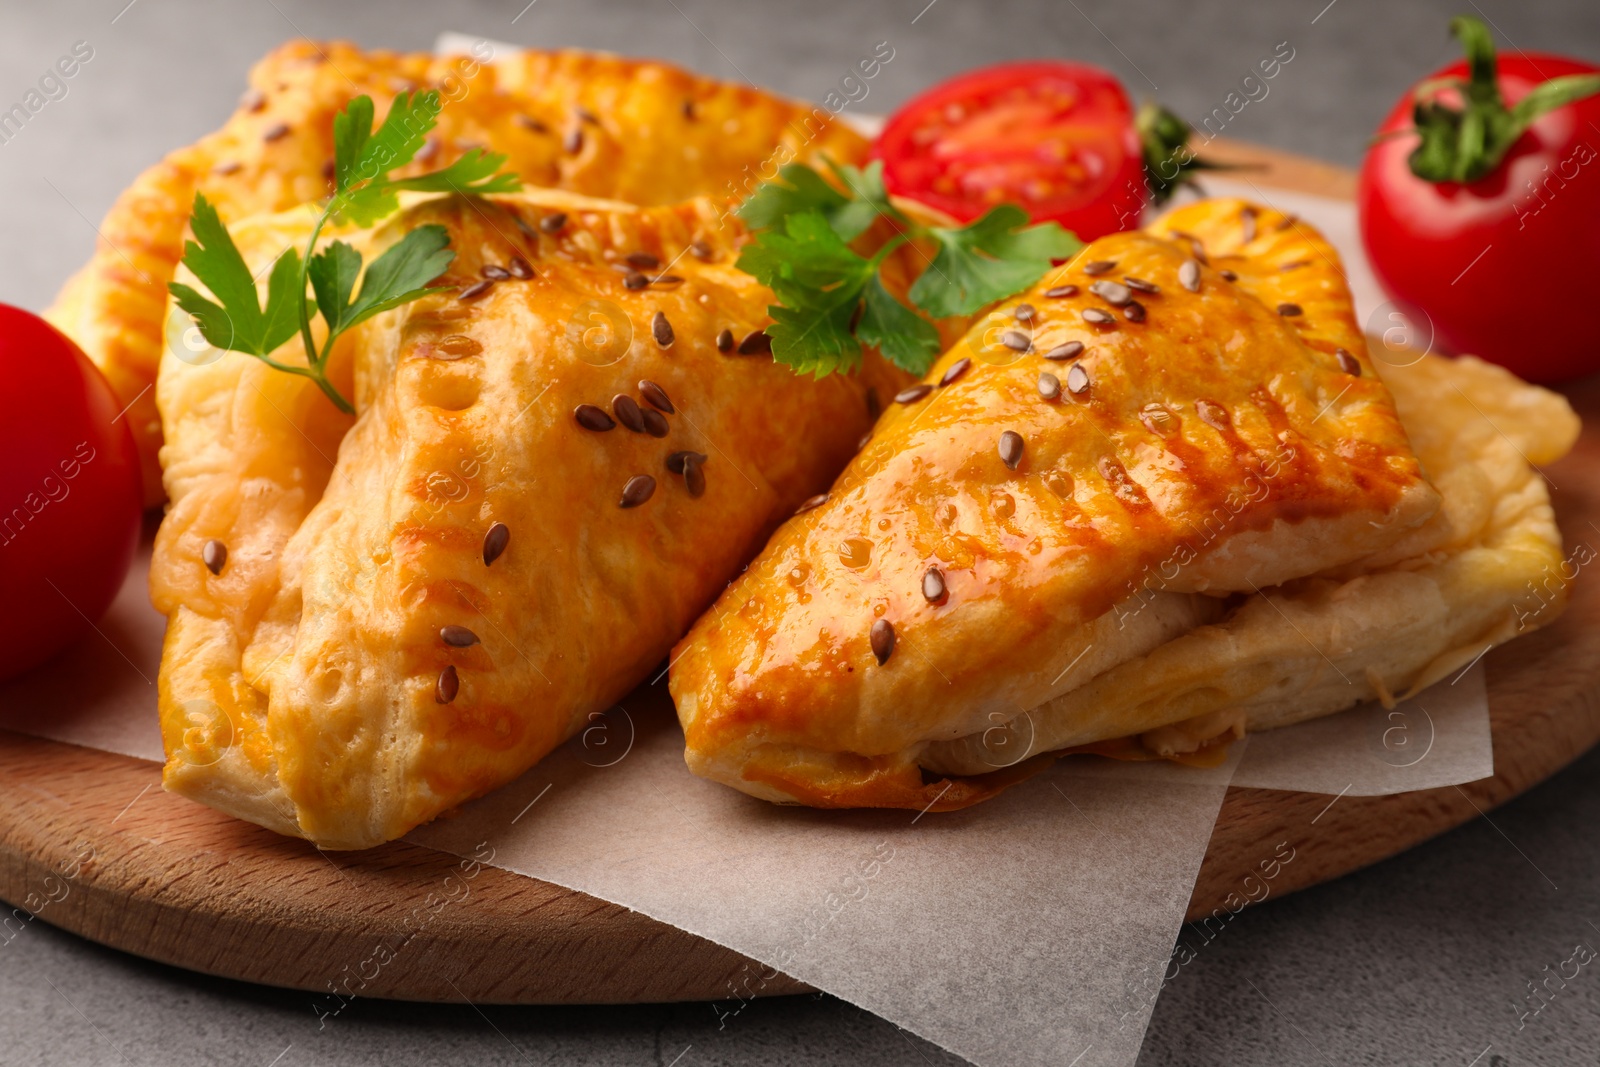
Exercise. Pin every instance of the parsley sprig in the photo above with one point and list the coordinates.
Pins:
(832, 301)
(363, 195)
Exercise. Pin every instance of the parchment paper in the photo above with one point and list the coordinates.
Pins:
(1032, 929)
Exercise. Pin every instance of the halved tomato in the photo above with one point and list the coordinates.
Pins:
(1057, 139)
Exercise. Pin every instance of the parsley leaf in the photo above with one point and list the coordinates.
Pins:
(238, 323)
(988, 260)
(832, 300)
(363, 194)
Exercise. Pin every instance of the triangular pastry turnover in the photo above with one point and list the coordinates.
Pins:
(1149, 494)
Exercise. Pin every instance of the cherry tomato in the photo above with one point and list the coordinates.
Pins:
(1057, 139)
(1504, 266)
(70, 500)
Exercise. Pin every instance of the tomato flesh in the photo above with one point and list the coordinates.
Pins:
(1503, 267)
(1057, 139)
(70, 497)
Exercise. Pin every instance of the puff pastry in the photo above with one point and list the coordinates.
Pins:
(417, 604)
(1188, 509)
(601, 125)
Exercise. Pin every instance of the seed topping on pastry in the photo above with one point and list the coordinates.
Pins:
(756, 343)
(1140, 285)
(882, 638)
(553, 222)
(1049, 385)
(496, 540)
(913, 393)
(627, 411)
(655, 423)
(593, 418)
(1016, 340)
(933, 587)
(1077, 380)
(1060, 291)
(1347, 363)
(1011, 447)
(1099, 317)
(661, 330)
(811, 502)
(1023, 312)
(656, 396)
(276, 132)
(725, 340)
(1289, 311)
(1099, 266)
(639, 488)
(458, 636)
(475, 291)
(1134, 312)
(957, 369)
(214, 554)
(1189, 275)
(1070, 350)
(642, 260)
(1114, 293)
(448, 685)
(519, 268)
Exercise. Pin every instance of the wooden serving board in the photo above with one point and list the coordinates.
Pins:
(90, 842)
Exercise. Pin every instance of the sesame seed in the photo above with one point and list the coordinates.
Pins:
(519, 268)
(725, 341)
(640, 487)
(635, 281)
(1016, 340)
(811, 502)
(593, 418)
(933, 587)
(1348, 363)
(688, 110)
(1196, 248)
(667, 281)
(583, 114)
(1023, 313)
(528, 122)
(957, 369)
(253, 100)
(495, 542)
(694, 478)
(655, 423)
(642, 260)
(1189, 275)
(1070, 350)
(1077, 380)
(448, 685)
(656, 396)
(1098, 316)
(276, 132)
(1134, 312)
(678, 462)
(495, 273)
(1049, 385)
(1011, 447)
(755, 343)
(1248, 218)
(214, 554)
(1289, 311)
(1141, 285)
(1228, 275)
(911, 394)
(701, 251)
(573, 141)
(627, 411)
(1296, 265)
(661, 330)
(458, 636)
(1099, 266)
(882, 639)
(474, 291)
(1060, 291)
(1114, 293)
(553, 223)
(230, 166)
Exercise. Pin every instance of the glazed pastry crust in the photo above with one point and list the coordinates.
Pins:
(1219, 449)
(600, 125)
(298, 686)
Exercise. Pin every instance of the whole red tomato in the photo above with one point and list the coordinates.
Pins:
(1499, 244)
(70, 503)
(1057, 139)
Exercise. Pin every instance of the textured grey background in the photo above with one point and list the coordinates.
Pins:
(1419, 960)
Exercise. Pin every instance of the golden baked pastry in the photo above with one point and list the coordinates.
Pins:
(1189, 508)
(601, 125)
(374, 620)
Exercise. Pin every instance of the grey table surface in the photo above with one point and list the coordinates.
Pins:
(1424, 959)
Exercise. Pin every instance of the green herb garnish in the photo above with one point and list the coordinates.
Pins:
(363, 194)
(831, 300)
